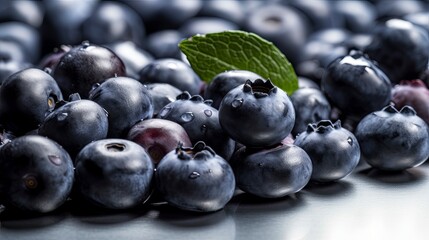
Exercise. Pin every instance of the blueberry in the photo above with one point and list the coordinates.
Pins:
(23, 108)
(231, 10)
(161, 94)
(393, 140)
(257, 114)
(165, 44)
(285, 26)
(75, 124)
(85, 65)
(223, 82)
(158, 137)
(201, 122)
(310, 106)
(114, 173)
(171, 71)
(401, 49)
(272, 173)
(36, 174)
(356, 85)
(112, 22)
(195, 179)
(359, 16)
(333, 150)
(134, 57)
(204, 25)
(126, 101)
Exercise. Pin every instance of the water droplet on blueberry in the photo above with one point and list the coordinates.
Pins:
(164, 111)
(236, 103)
(194, 175)
(62, 116)
(55, 159)
(350, 141)
(203, 128)
(187, 116)
(208, 112)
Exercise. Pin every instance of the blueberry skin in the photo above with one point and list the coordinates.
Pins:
(356, 85)
(162, 94)
(114, 173)
(36, 174)
(201, 122)
(84, 66)
(223, 82)
(23, 108)
(75, 125)
(103, 27)
(310, 106)
(257, 114)
(133, 56)
(204, 25)
(171, 71)
(401, 49)
(126, 100)
(164, 44)
(272, 173)
(333, 150)
(393, 140)
(195, 179)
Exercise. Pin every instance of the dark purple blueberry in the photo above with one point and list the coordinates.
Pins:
(333, 150)
(419, 18)
(171, 71)
(161, 94)
(311, 105)
(126, 100)
(204, 25)
(201, 122)
(51, 59)
(257, 114)
(158, 137)
(356, 85)
(85, 65)
(283, 25)
(134, 57)
(165, 44)
(272, 173)
(75, 124)
(401, 49)
(25, 35)
(195, 179)
(223, 82)
(112, 22)
(413, 93)
(393, 140)
(26, 97)
(114, 173)
(36, 174)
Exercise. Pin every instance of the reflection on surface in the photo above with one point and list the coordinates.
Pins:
(21, 220)
(329, 189)
(408, 176)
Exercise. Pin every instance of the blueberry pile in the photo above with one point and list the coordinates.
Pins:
(98, 105)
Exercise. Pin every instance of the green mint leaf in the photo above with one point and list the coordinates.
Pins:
(213, 53)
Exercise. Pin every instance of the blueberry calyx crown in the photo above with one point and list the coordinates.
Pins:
(405, 110)
(323, 126)
(199, 151)
(259, 88)
(195, 98)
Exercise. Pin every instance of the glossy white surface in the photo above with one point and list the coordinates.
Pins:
(365, 205)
